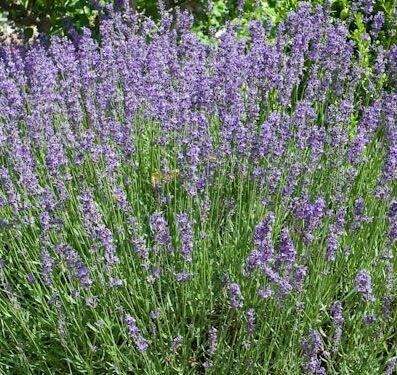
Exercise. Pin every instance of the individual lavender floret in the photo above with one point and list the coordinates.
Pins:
(235, 296)
(135, 333)
(154, 274)
(369, 319)
(115, 282)
(282, 282)
(363, 285)
(13, 198)
(155, 314)
(45, 221)
(46, 267)
(55, 156)
(265, 293)
(389, 276)
(299, 277)
(213, 340)
(183, 276)
(251, 321)
(31, 278)
(185, 230)
(161, 233)
(83, 274)
(390, 366)
(92, 301)
(176, 343)
(138, 243)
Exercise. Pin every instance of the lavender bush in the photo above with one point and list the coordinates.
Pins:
(173, 206)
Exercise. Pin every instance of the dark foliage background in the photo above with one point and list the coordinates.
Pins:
(59, 17)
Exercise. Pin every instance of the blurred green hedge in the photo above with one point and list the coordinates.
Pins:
(60, 16)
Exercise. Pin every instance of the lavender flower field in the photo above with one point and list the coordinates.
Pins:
(176, 206)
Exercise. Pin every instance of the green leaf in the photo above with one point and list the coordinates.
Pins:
(28, 32)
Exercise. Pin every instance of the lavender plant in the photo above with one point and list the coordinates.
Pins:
(173, 206)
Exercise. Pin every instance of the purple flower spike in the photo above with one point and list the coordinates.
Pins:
(363, 285)
(390, 366)
(176, 343)
(160, 231)
(235, 296)
(312, 347)
(185, 231)
(213, 340)
(46, 267)
(135, 333)
(338, 321)
(31, 278)
(251, 321)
